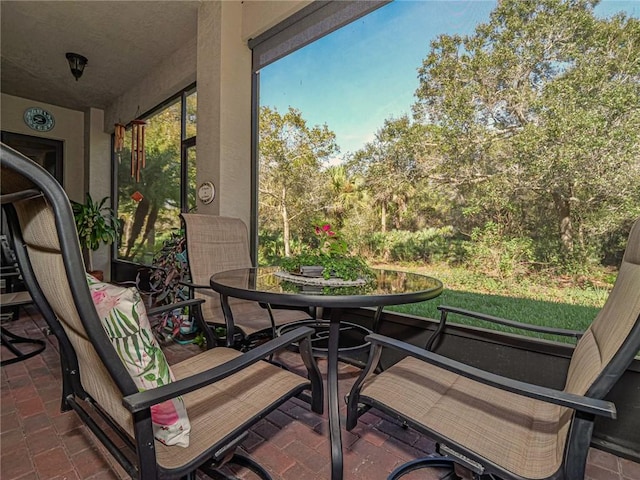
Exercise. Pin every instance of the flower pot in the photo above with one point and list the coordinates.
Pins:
(97, 274)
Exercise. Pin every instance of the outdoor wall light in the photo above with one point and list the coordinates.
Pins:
(76, 63)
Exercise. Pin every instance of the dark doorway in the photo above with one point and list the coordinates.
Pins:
(44, 151)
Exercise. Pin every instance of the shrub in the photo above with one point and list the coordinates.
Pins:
(429, 244)
(489, 251)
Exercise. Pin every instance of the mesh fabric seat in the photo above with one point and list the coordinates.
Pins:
(504, 427)
(218, 243)
(225, 392)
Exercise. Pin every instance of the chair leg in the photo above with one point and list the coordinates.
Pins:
(8, 339)
(446, 461)
(431, 461)
(240, 460)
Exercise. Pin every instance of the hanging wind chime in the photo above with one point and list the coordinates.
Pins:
(138, 157)
(118, 144)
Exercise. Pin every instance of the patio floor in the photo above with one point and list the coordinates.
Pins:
(40, 442)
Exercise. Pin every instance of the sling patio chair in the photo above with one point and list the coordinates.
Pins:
(218, 243)
(18, 348)
(498, 426)
(158, 421)
(12, 299)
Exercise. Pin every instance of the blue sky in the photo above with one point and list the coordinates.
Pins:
(366, 72)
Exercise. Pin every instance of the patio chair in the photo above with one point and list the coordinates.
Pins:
(13, 297)
(218, 243)
(20, 348)
(499, 426)
(208, 402)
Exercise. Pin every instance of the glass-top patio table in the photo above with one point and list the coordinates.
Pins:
(268, 285)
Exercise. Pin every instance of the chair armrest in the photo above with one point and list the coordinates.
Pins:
(173, 306)
(193, 285)
(576, 402)
(143, 400)
(503, 321)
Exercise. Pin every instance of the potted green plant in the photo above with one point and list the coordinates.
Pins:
(329, 259)
(97, 224)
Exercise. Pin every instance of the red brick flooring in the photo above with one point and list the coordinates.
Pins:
(40, 442)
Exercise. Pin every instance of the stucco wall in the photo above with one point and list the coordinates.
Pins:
(97, 170)
(175, 73)
(224, 98)
(69, 128)
(258, 16)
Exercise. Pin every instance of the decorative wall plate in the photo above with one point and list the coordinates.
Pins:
(207, 192)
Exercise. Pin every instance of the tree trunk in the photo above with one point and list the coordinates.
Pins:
(149, 231)
(286, 230)
(138, 222)
(563, 211)
(383, 217)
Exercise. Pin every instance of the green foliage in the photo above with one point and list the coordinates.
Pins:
(158, 209)
(429, 244)
(270, 247)
(548, 300)
(291, 157)
(524, 140)
(330, 251)
(530, 132)
(200, 340)
(490, 252)
(96, 223)
(342, 266)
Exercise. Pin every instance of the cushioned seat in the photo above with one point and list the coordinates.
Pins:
(220, 410)
(478, 416)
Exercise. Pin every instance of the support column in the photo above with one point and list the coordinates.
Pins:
(224, 109)
(97, 171)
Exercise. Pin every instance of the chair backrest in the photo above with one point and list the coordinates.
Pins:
(41, 218)
(607, 347)
(612, 340)
(214, 244)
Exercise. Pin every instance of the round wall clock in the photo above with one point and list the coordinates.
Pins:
(207, 192)
(39, 119)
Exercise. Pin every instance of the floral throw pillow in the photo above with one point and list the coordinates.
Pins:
(125, 320)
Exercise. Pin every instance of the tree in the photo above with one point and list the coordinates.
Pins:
(539, 111)
(344, 194)
(291, 158)
(159, 186)
(390, 169)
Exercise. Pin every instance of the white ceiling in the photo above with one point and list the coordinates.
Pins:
(122, 40)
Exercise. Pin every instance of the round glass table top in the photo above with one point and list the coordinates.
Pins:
(388, 287)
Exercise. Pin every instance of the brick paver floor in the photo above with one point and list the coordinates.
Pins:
(40, 442)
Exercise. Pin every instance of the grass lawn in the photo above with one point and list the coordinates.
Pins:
(553, 302)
